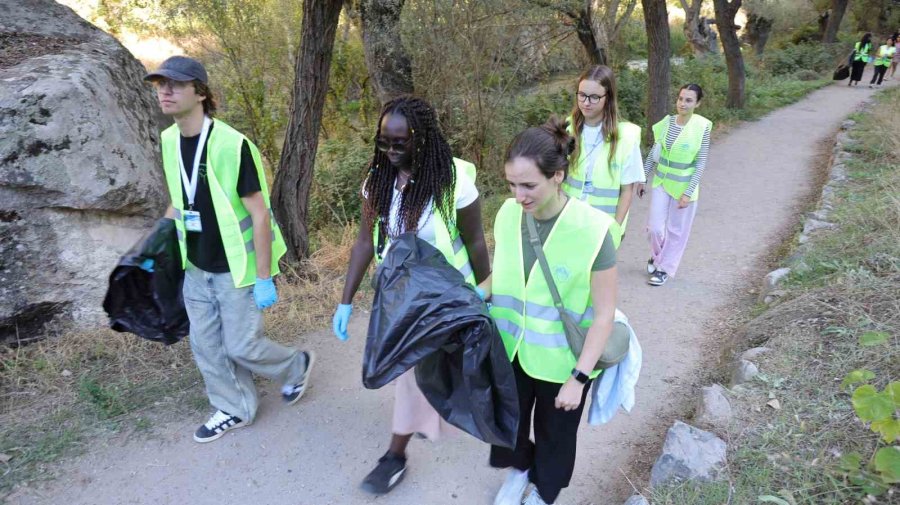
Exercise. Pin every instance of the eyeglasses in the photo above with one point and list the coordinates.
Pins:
(399, 146)
(170, 85)
(589, 98)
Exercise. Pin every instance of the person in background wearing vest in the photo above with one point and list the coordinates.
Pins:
(859, 58)
(679, 154)
(606, 162)
(230, 247)
(414, 185)
(896, 59)
(883, 61)
(578, 242)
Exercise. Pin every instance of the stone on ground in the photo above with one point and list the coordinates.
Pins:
(689, 453)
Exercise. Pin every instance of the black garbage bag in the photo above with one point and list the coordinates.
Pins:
(842, 72)
(149, 304)
(425, 315)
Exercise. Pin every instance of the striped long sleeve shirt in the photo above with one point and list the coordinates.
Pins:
(702, 155)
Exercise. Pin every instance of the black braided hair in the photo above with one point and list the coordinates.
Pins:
(433, 175)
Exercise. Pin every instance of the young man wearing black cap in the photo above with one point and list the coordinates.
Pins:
(230, 247)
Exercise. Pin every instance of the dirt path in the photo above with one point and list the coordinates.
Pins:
(318, 451)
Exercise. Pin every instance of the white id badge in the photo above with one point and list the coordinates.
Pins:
(192, 221)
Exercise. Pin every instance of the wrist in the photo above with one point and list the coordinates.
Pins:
(579, 376)
(267, 278)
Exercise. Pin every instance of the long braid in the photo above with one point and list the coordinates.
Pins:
(433, 176)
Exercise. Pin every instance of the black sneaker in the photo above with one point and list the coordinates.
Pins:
(389, 472)
(218, 424)
(650, 266)
(658, 278)
(291, 393)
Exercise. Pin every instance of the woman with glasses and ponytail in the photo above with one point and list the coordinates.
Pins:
(414, 184)
(679, 153)
(606, 163)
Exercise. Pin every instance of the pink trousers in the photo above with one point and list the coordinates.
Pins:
(668, 229)
(413, 413)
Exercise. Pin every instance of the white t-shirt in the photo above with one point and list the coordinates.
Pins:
(592, 144)
(468, 193)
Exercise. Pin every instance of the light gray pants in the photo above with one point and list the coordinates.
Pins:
(228, 343)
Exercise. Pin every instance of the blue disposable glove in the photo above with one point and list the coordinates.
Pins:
(341, 320)
(264, 293)
(147, 265)
(480, 292)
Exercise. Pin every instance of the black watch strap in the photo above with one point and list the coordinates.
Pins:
(580, 376)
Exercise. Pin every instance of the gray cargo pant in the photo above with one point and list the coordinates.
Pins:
(228, 343)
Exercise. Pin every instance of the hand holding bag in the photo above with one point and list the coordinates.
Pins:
(617, 343)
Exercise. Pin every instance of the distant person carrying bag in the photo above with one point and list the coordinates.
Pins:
(230, 246)
(859, 58)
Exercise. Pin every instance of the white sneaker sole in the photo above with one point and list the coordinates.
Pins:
(307, 373)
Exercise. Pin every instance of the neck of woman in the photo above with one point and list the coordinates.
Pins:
(554, 207)
(597, 121)
(682, 119)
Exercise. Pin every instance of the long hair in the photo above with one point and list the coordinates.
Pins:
(210, 104)
(604, 76)
(433, 175)
(866, 39)
(548, 146)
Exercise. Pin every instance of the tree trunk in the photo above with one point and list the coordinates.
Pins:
(585, 31)
(290, 191)
(838, 8)
(731, 46)
(656, 21)
(758, 30)
(695, 29)
(389, 65)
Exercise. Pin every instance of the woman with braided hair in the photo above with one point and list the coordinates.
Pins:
(414, 185)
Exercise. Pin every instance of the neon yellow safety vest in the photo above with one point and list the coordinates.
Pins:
(677, 166)
(529, 324)
(447, 238)
(885, 54)
(599, 185)
(223, 161)
(861, 54)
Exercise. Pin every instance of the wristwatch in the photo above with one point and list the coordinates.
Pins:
(580, 376)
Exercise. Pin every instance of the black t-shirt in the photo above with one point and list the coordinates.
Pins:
(205, 249)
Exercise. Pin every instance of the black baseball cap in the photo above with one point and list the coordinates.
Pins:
(180, 68)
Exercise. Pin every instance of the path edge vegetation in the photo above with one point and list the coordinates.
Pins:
(833, 436)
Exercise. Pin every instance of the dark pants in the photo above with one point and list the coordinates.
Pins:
(879, 74)
(550, 459)
(856, 72)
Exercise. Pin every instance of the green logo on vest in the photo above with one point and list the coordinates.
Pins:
(561, 273)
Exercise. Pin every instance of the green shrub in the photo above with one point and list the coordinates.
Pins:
(340, 171)
(814, 57)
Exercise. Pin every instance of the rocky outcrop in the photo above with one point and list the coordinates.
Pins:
(80, 175)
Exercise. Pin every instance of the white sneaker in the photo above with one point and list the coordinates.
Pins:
(534, 498)
(513, 488)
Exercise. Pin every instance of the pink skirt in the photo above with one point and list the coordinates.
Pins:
(413, 413)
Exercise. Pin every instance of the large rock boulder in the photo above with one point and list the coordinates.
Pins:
(689, 454)
(80, 176)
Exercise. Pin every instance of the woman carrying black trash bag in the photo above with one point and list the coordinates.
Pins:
(577, 242)
(859, 58)
(414, 184)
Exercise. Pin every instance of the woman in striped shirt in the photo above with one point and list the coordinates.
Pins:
(679, 154)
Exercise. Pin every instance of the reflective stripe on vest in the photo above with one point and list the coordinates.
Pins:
(223, 158)
(676, 166)
(861, 55)
(449, 242)
(603, 190)
(529, 324)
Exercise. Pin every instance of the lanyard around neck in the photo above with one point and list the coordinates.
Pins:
(190, 185)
